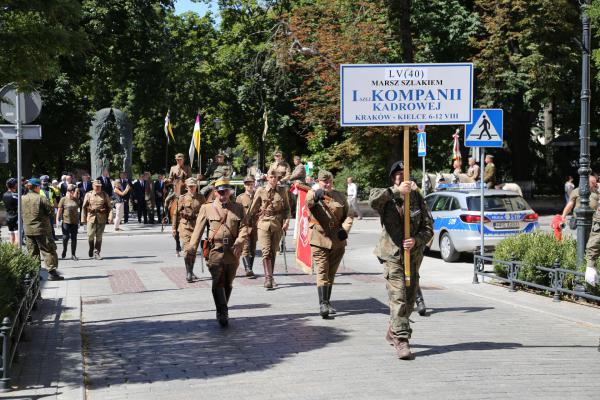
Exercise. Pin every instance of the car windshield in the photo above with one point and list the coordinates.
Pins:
(498, 203)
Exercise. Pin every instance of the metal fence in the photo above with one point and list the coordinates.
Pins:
(12, 331)
(556, 275)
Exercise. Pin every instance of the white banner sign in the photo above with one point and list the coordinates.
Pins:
(406, 94)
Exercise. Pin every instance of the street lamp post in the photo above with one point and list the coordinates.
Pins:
(584, 212)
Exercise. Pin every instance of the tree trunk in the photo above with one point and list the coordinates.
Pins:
(549, 136)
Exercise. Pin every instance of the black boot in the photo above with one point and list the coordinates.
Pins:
(323, 309)
(421, 308)
(221, 305)
(248, 267)
(228, 290)
(188, 269)
(91, 252)
(327, 298)
(64, 252)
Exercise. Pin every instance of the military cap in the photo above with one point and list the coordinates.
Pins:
(34, 182)
(249, 178)
(325, 175)
(398, 166)
(191, 182)
(222, 184)
(179, 156)
(71, 187)
(97, 183)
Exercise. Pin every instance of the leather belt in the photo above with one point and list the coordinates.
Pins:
(314, 221)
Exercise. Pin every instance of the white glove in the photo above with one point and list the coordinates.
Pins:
(591, 275)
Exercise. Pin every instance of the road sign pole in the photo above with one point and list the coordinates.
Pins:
(19, 171)
(423, 180)
(481, 206)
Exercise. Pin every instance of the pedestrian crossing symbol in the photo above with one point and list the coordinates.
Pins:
(421, 149)
(486, 130)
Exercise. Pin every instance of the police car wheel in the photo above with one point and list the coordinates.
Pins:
(447, 250)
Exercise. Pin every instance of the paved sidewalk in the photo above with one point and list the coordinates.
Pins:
(148, 334)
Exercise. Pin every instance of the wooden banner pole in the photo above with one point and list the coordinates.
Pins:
(407, 272)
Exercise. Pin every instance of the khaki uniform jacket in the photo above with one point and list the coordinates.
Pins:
(188, 208)
(473, 172)
(576, 199)
(299, 174)
(389, 202)
(323, 227)
(284, 170)
(246, 201)
(149, 193)
(216, 171)
(177, 176)
(96, 207)
(232, 232)
(489, 173)
(37, 212)
(271, 206)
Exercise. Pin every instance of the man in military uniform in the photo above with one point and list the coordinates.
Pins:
(489, 173)
(271, 207)
(96, 212)
(330, 223)
(245, 199)
(178, 174)
(282, 167)
(574, 199)
(389, 203)
(37, 212)
(473, 170)
(188, 207)
(226, 236)
(218, 169)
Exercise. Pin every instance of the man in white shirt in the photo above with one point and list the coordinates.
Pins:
(353, 197)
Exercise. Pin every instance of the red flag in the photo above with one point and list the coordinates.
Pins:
(302, 232)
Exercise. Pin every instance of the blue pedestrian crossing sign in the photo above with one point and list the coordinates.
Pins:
(421, 144)
(486, 129)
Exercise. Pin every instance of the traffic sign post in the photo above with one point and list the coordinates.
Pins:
(19, 108)
(422, 151)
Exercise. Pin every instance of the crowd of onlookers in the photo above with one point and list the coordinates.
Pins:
(144, 196)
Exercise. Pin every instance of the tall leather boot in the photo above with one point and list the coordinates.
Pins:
(228, 290)
(272, 271)
(221, 305)
(248, 267)
(268, 274)
(323, 309)
(98, 247)
(91, 251)
(327, 298)
(421, 308)
(192, 263)
(188, 272)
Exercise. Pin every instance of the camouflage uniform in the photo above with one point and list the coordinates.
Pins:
(249, 250)
(328, 217)
(227, 229)
(96, 211)
(37, 212)
(188, 207)
(388, 203)
(271, 207)
(217, 171)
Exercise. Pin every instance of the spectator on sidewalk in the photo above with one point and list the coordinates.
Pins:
(352, 193)
(68, 209)
(574, 200)
(119, 202)
(569, 186)
(11, 199)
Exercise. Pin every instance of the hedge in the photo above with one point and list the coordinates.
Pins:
(539, 249)
(14, 266)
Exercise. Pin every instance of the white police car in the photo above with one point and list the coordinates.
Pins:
(457, 216)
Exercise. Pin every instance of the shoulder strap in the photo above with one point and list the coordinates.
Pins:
(221, 222)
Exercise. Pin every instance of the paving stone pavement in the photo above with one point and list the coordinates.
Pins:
(148, 334)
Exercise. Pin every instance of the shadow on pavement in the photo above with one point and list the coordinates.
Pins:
(469, 346)
(465, 310)
(144, 351)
